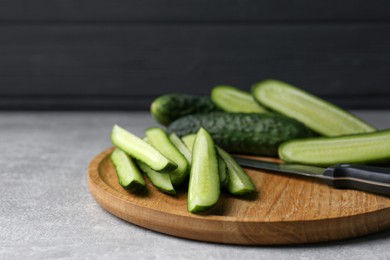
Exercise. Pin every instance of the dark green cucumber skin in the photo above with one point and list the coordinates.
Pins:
(245, 133)
(169, 107)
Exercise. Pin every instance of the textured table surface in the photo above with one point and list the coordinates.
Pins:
(47, 212)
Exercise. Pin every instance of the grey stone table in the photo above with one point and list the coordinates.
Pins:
(47, 212)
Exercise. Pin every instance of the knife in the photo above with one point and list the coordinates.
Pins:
(341, 176)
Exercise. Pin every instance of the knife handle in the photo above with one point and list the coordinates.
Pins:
(359, 177)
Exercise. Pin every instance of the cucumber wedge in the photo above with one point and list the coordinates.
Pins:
(189, 140)
(203, 187)
(181, 147)
(239, 183)
(231, 99)
(159, 139)
(367, 148)
(161, 181)
(128, 174)
(318, 114)
(223, 172)
(140, 150)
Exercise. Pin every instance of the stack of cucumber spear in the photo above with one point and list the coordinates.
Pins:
(276, 119)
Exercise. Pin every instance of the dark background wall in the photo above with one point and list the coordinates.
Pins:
(85, 54)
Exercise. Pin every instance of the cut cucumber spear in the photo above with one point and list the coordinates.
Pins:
(318, 114)
(239, 183)
(325, 151)
(231, 99)
(161, 181)
(189, 140)
(159, 139)
(178, 142)
(237, 180)
(203, 187)
(128, 174)
(223, 172)
(140, 150)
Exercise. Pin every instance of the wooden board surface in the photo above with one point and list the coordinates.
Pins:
(286, 210)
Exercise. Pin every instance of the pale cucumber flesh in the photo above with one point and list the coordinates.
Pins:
(222, 171)
(128, 174)
(140, 150)
(180, 145)
(189, 140)
(367, 148)
(231, 99)
(159, 139)
(203, 187)
(161, 181)
(239, 183)
(321, 116)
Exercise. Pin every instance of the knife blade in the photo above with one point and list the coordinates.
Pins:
(342, 176)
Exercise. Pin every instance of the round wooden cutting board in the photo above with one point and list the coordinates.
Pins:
(286, 210)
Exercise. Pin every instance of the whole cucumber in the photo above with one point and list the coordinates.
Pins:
(245, 133)
(167, 108)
